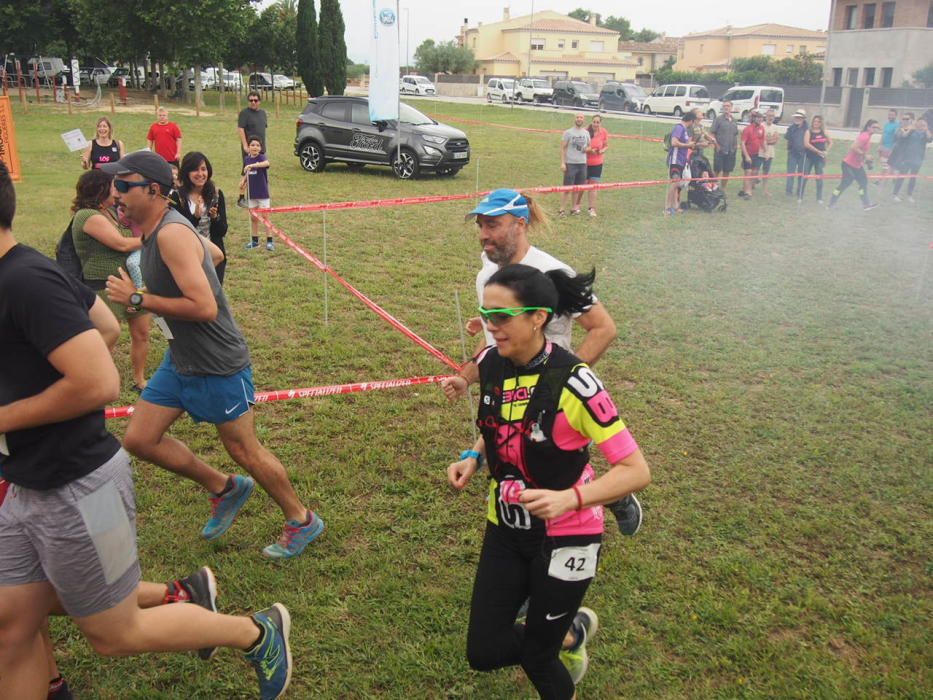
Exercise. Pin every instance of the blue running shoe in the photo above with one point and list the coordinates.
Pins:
(224, 508)
(272, 657)
(295, 537)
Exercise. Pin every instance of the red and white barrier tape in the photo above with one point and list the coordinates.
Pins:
(477, 122)
(311, 392)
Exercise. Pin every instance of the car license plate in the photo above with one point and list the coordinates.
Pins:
(460, 154)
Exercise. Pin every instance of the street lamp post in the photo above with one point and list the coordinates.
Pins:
(531, 32)
(407, 37)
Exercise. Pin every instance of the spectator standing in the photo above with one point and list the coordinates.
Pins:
(853, 166)
(252, 121)
(725, 134)
(912, 152)
(573, 151)
(256, 172)
(818, 143)
(767, 152)
(200, 201)
(888, 139)
(164, 138)
(599, 144)
(796, 153)
(681, 143)
(753, 139)
(103, 148)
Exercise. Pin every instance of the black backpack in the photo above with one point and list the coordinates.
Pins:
(67, 257)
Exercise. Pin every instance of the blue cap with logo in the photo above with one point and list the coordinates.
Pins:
(503, 201)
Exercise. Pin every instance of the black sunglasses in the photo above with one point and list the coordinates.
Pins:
(253, 99)
(124, 186)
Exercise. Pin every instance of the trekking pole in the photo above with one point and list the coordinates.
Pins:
(464, 352)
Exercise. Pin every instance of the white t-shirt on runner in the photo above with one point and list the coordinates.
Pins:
(560, 329)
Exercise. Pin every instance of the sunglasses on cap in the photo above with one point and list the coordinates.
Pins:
(124, 186)
(499, 316)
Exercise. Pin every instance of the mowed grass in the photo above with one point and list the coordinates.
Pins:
(774, 363)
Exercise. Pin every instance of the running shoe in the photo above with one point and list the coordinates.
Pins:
(199, 588)
(869, 207)
(59, 690)
(592, 213)
(252, 244)
(241, 201)
(224, 508)
(295, 537)
(270, 245)
(562, 213)
(585, 624)
(820, 202)
(271, 656)
(574, 212)
(628, 514)
(897, 199)
(911, 199)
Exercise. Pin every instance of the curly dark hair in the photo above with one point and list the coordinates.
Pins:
(92, 189)
(191, 162)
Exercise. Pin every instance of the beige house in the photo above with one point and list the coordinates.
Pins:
(651, 56)
(714, 51)
(548, 44)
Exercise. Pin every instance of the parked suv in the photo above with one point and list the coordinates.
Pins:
(502, 89)
(534, 90)
(676, 99)
(745, 98)
(417, 85)
(338, 129)
(622, 97)
(575, 93)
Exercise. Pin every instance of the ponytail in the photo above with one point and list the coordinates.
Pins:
(558, 290)
(574, 292)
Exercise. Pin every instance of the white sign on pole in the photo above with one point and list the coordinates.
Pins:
(75, 140)
(383, 66)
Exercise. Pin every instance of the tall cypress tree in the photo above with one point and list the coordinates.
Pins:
(333, 48)
(307, 48)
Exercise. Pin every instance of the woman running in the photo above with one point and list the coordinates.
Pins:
(853, 165)
(817, 143)
(540, 408)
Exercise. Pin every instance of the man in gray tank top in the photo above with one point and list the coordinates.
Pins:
(206, 370)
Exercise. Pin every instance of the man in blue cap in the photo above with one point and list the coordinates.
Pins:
(503, 218)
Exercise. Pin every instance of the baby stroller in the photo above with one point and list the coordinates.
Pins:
(704, 194)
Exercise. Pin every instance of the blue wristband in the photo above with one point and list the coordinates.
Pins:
(475, 455)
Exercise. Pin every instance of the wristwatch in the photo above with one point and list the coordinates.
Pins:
(136, 299)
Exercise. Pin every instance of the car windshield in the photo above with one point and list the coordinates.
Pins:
(410, 115)
(539, 83)
(583, 87)
(422, 79)
(636, 91)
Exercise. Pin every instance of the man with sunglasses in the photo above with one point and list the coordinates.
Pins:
(206, 370)
(503, 218)
(252, 121)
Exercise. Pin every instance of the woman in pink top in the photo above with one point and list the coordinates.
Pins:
(853, 165)
(599, 144)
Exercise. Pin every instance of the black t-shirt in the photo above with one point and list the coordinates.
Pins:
(254, 122)
(40, 309)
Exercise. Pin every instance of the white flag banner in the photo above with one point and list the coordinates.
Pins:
(383, 63)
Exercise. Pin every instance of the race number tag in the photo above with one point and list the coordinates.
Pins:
(574, 563)
(163, 326)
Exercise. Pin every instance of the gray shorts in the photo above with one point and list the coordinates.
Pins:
(80, 537)
(575, 174)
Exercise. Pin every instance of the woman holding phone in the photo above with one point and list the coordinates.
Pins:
(201, 202)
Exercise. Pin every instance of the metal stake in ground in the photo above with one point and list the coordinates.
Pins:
(325, 265)
(464, 352)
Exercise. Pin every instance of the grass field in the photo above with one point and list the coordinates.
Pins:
(774, 363)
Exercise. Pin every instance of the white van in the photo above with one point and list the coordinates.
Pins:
(676, 99)
(745, 98)
(48, 67)
(502, 89)
(416, 85)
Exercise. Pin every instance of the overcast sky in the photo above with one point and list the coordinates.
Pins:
(441, 19)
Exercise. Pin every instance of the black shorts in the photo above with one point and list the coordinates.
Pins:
(676, 171)
(753, 164)
(724, 162)
(594, 172)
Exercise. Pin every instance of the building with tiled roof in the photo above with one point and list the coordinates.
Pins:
(547, 44)
(650, 56)
(716, 49)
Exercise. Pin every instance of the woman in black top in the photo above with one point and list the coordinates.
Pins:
(201, 202)
(817, 144)
(104, 148)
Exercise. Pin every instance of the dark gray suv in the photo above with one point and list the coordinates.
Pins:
(338, 129)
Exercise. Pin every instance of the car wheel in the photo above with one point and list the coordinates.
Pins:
(677, 111)
(405, 164)
(646, 110)
(311, 157)
(488, 97)
(601, 106)
(356, 166)
(711, 115)
(447, 171)
(505, 98)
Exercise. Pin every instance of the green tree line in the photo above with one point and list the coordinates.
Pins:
(757, 70)
(166, 35)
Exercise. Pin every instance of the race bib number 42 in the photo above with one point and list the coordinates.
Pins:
(574, 563)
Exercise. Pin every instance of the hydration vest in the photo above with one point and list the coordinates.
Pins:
(545, 464)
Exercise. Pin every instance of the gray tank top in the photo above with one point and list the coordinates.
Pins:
(199, 347)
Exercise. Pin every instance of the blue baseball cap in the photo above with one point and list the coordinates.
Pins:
(501, 202)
